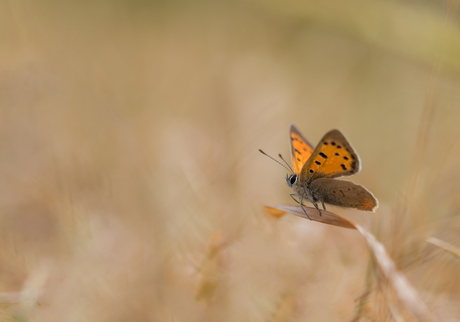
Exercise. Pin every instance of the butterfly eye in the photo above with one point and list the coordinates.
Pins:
(291, 180)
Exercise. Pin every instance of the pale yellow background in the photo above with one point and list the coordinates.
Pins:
(128, 138)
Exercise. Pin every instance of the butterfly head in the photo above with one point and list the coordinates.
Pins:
(291, 180)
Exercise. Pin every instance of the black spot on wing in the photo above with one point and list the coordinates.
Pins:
(337, 154)
(323, 155)
(298, 159)
(345, 158)
(297, 151)
(343, 167)
(317, 162)
(311, 171)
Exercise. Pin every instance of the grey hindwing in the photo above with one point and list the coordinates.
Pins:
(343, 193)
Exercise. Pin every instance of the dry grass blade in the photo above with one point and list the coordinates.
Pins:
(446, 246)
(325, 218)
(275, 213)
(406, 293)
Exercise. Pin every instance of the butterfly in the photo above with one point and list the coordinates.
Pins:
(314, 171)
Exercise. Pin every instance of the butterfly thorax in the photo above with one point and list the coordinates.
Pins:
(299, 188)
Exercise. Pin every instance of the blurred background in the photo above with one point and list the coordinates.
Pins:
(132, 188)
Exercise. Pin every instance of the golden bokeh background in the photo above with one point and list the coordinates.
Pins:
(132, 188)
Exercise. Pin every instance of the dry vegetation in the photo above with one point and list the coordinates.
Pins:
(132, 188)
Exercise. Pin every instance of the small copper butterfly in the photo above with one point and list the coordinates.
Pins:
(314, 169)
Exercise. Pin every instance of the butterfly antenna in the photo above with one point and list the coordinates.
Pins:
(281, 157)
(289, 169)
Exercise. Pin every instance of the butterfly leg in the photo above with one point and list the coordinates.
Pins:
(292, 196)
(317, 208)
(323, 204)
(301, 206)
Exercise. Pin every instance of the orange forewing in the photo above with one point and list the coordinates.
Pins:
(333, 157)
(301, 149)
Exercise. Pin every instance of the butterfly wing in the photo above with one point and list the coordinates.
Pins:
(301, 149)
(333, 157)
(344, 194)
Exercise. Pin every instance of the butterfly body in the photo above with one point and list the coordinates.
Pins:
(314, 170)
(301, 190)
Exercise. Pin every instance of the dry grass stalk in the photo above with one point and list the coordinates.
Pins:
(446, 246)
(210, 270)
(405, 292)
